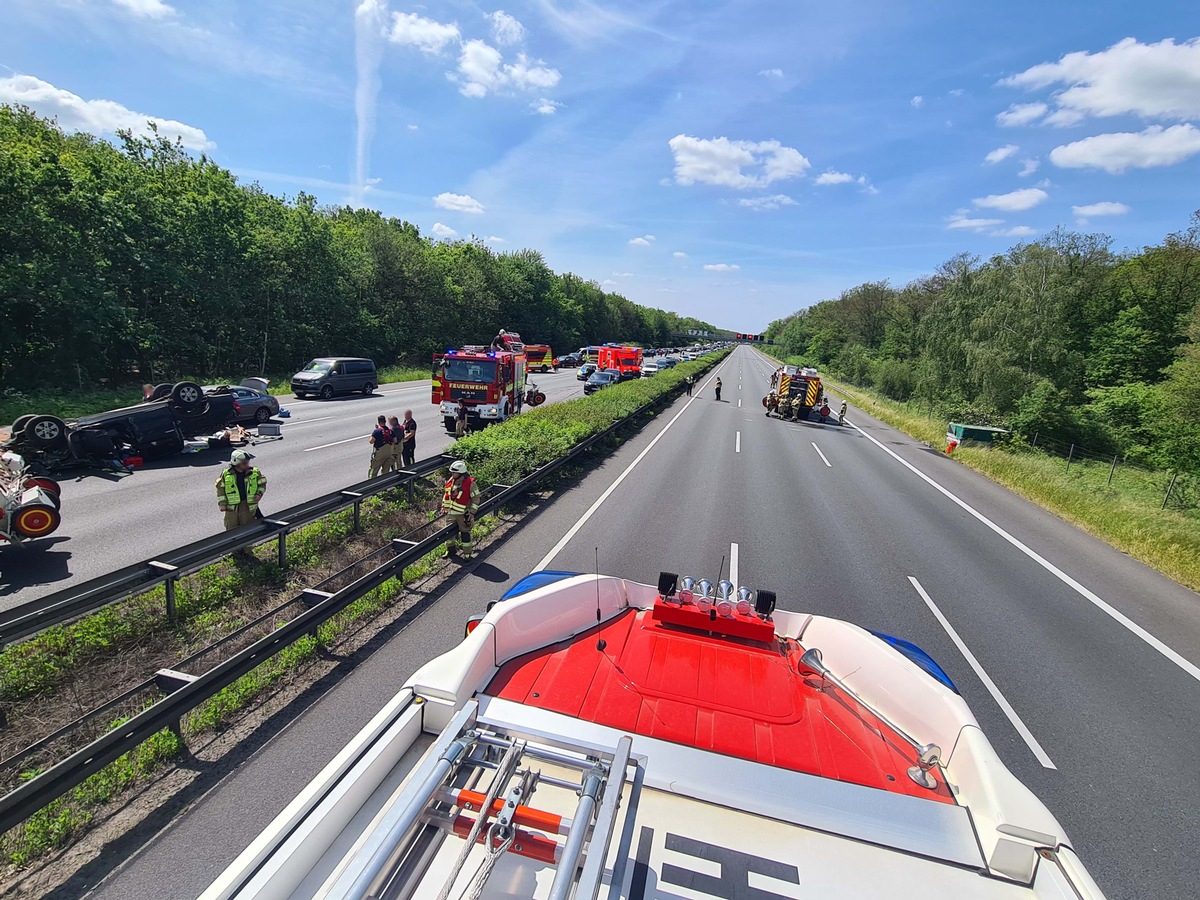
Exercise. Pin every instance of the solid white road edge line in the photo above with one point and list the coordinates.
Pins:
(822, 455)
(608, 492)
(361, 437)
(733, 564)
(1022, 728)
(737, 443)
(1058, 573)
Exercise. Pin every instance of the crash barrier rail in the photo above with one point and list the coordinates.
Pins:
(28, 619)
(185, 693)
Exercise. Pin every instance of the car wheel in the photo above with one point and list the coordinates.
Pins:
(188, 395)
(46, 432)
(261, 415)
(36, 520)
(161, 391)
(327, 392)
(368, 389)
(539, 398)
(49, 485)
(20, 424)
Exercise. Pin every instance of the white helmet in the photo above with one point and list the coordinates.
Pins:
(240, 456)
(458, 467)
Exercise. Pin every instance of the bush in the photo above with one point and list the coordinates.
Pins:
(507, 452)
(895, 379)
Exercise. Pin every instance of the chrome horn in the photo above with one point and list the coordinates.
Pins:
(743, 603)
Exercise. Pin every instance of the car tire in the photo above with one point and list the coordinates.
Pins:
(161, 392)
(327, 392)
(46, 432)
(20, 423)
(187, 395)
(539, 398)
(368, 389)
(262, 415)
(36, 520)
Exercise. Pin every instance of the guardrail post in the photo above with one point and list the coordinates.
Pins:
(1112, 471)
(1070, 456)
(281, 548)
(357, 498)
(1170, 487)
(168, 586)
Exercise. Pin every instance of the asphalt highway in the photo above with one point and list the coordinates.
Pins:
(1080, 664)
(110, 521)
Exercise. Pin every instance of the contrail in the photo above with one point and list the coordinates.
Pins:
(369, 21)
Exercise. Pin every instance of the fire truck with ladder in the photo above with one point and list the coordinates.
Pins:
(490, 381)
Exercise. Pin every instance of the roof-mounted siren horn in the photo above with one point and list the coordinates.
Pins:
(744, 605)
(668, 582)
(687, 592)
(928, 757)
(765, 604)
(725, 602)
(704, 601)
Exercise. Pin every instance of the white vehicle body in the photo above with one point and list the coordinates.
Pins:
(652, 818)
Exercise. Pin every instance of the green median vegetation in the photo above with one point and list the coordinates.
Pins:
(504, 453)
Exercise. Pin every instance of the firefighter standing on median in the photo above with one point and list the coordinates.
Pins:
(842, 413)
(239, 490)
(460, 503)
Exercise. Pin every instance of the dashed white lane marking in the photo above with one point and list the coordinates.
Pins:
(361, 437)
(733, 564)
(739, 403)
(608, 492)
(737, 443)
(1022, 728)
(822, 455)
(1119, 617)
(306, 421)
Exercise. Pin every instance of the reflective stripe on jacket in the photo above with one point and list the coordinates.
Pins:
(227, 488)
(460, 501)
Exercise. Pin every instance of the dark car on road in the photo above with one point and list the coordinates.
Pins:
(149, 430)
(327, 376)
(599, 380)
(570, 361)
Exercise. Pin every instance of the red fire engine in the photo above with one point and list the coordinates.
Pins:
(491, 382)
(626, 360)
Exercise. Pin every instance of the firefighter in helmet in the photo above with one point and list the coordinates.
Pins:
(460, 503)
(239, 490)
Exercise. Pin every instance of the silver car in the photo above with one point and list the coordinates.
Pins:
(255, 404)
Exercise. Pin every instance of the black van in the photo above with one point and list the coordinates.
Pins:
(329, 375)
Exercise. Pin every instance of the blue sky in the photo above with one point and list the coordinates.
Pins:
(735, 161)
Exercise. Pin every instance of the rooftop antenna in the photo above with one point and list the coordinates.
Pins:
(600, 642)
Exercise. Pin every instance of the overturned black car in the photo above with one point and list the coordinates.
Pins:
(152, 429)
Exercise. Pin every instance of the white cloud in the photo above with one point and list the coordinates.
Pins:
(544, 107)
(1028, 167)
(957, 92)
(1015, 231)
(458, 203)
(148, 9)
(917, 101)
(493, 239)
(1114, 153)
(960, 220)
(622, 274)
(95, 116)
(370, 23)
(771, 73)
(506, 30)
(428, 36)
(1104, 208)
(482, 70)
(1014, 201)
(774, 201)
(412, 127)
(679, 254)
(444, 231)
(721, 267)
(834, 178)
(1021, 114)
(1001, 153)
(721, 161)
(644, 241)
(1150, 80)
(608, 282)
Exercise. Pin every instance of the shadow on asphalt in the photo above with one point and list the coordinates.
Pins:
(23, 567)
(490, 573)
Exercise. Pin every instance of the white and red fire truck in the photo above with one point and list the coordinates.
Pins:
(490, 381)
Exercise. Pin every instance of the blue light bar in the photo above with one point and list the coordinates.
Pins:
(918, 656)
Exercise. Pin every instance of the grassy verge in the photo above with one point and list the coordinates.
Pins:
(69, 404)
(1124, 514)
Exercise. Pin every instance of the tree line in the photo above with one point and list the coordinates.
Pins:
(1061, 337)
(139, 262)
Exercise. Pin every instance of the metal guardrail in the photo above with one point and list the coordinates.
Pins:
(34, 794)
(22, 621)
